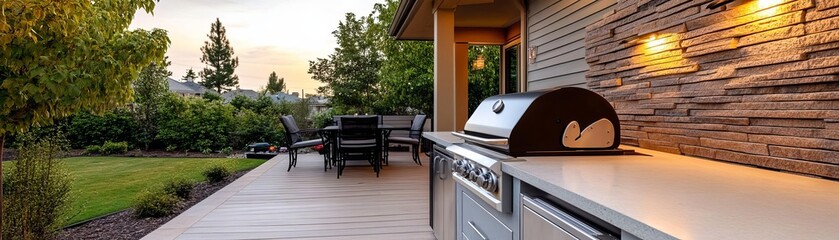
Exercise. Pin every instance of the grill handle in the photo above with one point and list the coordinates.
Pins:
(489, 141)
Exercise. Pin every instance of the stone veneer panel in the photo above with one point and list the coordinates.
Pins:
(753, 82)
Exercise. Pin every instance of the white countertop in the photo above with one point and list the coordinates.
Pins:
(442, 138)
(667, 196)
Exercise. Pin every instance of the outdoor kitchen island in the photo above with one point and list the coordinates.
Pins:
(666, 196)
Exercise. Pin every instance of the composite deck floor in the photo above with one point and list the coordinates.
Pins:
(308, 203)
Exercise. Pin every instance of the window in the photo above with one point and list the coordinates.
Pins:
(511, 69)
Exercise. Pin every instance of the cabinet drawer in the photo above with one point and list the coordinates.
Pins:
(536, 227)
(479, 224)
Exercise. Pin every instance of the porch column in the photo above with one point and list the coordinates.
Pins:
(444, 71)
(461, 89)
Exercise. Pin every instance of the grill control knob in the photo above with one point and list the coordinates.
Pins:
(456, 165)
(464, 169)
(475, 173)
(468, 170)
(489, 182)
(482, 179)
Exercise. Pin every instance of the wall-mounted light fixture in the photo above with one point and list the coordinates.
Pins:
(531, 54)
(644, 39)
(718, 3)
(479, 62)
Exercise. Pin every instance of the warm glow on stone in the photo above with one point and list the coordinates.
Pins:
(766, 4)
(654, 44)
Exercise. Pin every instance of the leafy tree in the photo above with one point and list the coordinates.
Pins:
(148, 90)
(407, 74)
(209, 96)
(218, 56)
(190, 75)
(59, 57)
(275, 84)
(351, 72)
(371, 72)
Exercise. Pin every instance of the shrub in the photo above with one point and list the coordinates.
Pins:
(323, 119)
(88, 129)
(179, 187)
(217, 172)
(227, 150)
(151, 203)
(37, 189)
(252, 127)
(171, 148)
(114, 147)
(93, 149)
(194, 124)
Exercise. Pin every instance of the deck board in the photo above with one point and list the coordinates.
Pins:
(308, 203)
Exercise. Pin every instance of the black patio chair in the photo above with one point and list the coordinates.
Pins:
(359, 139)
(413, 138)
(294, 139)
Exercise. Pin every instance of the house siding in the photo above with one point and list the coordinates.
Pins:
(557, 30)
(753, 82)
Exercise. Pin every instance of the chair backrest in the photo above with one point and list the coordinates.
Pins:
(416, 126)
(358, 128)
(292, 132)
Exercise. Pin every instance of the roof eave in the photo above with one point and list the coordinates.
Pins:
(400, 19)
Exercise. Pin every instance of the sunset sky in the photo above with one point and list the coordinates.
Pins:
(266, 35)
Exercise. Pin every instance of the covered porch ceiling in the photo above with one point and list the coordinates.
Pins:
(414, 19)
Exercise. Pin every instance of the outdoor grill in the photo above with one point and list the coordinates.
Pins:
(563, 121)
(557, 122)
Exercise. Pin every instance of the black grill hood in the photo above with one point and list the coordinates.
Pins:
(541, 123)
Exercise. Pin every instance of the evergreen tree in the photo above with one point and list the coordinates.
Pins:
(275, 84)
(218, 56)
(190, 75)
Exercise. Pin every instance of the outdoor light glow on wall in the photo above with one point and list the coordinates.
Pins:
(654, 44)
(478, 64)
(760, 3)
(644, 39)
(768, 3)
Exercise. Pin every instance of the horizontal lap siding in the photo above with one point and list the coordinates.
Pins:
(557, 30)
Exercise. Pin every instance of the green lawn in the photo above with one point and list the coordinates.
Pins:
(107, 184)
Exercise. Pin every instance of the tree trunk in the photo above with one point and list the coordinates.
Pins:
(2, 145)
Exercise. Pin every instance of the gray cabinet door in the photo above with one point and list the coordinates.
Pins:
(479, 224)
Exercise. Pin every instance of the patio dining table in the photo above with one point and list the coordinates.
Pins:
(331, 133)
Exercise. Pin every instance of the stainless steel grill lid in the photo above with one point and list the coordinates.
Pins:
(544, 122)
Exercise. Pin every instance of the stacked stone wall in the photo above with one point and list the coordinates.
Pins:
(753, 82)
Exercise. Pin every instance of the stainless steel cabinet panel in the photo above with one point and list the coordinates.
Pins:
(478, 224)
(536, 227)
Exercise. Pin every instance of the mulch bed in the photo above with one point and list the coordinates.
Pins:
(123, 225)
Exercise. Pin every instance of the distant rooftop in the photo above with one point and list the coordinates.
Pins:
(187, 88)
